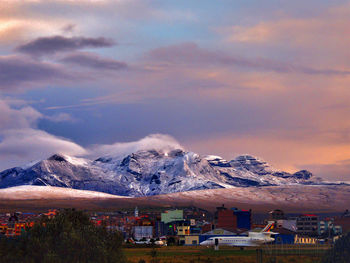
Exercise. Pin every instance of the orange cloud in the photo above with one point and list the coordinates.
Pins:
(290, 154)
(321, 39)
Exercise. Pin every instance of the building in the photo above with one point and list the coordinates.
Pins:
(185, 235)
(144, 221)
(328, 228)
(13, 219)
(142, 232)
(19, 228)
(3, 229)
(195, 229)
(159, 229)
(233, 219)
(172, 215)
(227, 219)
(192, 222)
(285, 235)
(171, 229)
(207, 227)
(305, 240)
(183, 230)
(219, 232)
(189, 240)
(244, 218)
(284, 239)
(307, 225)
(51, 213)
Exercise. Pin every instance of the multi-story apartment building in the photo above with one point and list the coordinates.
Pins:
(307, 224)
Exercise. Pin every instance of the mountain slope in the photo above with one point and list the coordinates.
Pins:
(292, 198)
(31, 192)
(151, 172)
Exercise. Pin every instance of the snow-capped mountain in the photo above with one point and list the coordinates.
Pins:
(151, 172)
(246, 170)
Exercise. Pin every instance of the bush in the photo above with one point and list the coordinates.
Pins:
(69, 237)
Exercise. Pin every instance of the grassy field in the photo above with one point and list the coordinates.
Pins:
(203, 254)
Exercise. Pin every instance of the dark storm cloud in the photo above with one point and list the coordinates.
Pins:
(191, 53)
(16, 70)
(54, 44)
(94, 61)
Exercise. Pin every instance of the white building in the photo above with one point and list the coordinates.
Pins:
(140, 232)
(327, 227)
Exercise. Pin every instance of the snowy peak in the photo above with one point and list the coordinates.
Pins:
(217, 161)
(252, 164)
(151, 172)
(57, 158)
(62, 158)
(155, 172)
(303, 174)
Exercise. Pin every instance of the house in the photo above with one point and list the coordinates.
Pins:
(189, 240)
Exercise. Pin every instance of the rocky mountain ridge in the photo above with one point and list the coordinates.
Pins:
(152, 172)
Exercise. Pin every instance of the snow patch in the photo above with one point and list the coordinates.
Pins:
(49, 192)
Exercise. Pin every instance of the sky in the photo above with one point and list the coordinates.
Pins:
(266, 78)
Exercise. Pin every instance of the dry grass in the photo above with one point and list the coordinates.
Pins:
(208, 255)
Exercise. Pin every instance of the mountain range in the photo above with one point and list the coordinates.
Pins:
(153, 172)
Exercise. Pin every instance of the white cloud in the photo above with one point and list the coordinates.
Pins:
(22, 142)
(11, 118)
(34, 142)
(61, 117)
(25, 145)
(159, 142)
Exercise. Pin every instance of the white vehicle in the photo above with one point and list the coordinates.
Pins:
(160, 243)
(253, 239)
(142, 242)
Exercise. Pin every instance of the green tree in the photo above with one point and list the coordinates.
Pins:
(68, 237)
(340, 253)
